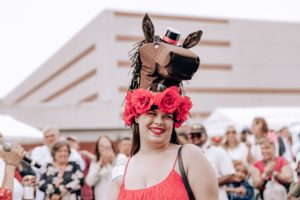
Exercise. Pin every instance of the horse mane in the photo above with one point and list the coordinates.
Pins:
(134, 57)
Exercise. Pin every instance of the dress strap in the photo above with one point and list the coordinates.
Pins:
(125, 171)
(184, 176)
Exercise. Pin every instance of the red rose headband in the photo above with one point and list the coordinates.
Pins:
(140, 101)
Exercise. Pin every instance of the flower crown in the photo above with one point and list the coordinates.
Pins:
(140, 101)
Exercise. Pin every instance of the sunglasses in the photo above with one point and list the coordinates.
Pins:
(195, 135)
(234, 132)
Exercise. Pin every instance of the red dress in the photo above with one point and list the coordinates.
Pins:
(5, 194)
(171, 188)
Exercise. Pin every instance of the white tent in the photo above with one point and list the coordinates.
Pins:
(16, 131)
(276, 117)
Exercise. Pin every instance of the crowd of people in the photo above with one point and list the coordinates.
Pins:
(159, 161)
(256, 163)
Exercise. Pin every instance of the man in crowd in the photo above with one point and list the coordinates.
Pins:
(217, 157)
(125, 146)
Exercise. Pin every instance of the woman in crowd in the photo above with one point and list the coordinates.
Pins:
(153, 170)
(236, 150)
(240, 189)
(271, 169)
(100, 172)
(11, 160)
(61, 179)
(261, 130)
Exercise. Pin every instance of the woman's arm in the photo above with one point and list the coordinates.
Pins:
(257, 178)
(93, 177)
(11, 159)
(285, 175)
(114, 188)
(201, 176)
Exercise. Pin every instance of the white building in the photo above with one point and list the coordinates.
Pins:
(81, 88)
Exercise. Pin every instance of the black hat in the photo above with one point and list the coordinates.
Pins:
(198, 128)
(172, 36)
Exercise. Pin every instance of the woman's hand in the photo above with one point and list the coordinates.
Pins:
(63, 190)
(14, 156)
(107, 156)
(269, 168)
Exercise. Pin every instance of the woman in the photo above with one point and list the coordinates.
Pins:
(100, 172)
(261, 131)
(153, 172)
(12, 160)
(235, 149)
(61, 179)
(271, 169)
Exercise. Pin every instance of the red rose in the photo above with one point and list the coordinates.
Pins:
(182, 111)
(141, 100)
(128, 117)
(129, 113)
(168, 100)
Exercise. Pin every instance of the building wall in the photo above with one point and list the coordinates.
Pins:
(81, 88)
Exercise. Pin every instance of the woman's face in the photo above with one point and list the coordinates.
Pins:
(104, 144)
(62, 155)
(155, 126)
(256, 128)
(267, 151)
(231, 135)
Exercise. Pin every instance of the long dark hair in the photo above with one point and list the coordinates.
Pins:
(97, 153)
(136, 142)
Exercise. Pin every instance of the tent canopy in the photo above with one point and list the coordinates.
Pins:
(276, 117)
(16, 131)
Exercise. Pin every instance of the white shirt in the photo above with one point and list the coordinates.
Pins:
(99, 178)
(221, 164)
(239, 153)
(18, 189)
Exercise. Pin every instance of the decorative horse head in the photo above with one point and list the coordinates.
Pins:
(157, 62)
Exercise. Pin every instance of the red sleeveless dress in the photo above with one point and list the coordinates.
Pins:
(171, 188)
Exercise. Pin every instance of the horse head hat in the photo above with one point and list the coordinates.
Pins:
(156, 61)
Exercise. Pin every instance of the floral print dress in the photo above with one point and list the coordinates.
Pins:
(53, 181)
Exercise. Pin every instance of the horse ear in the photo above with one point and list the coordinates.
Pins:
(148, 28)
(192, 39)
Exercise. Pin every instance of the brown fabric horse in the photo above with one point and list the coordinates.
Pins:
(157, 62)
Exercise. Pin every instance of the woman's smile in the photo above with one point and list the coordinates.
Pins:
(157, 130)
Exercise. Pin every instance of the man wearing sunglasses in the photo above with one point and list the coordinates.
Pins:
(198, 135)
(217, 157)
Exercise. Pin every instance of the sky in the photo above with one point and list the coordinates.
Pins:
(32, 31)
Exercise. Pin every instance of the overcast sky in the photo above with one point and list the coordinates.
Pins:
(31, 31)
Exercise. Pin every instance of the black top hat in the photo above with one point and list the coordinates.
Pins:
(172, 36)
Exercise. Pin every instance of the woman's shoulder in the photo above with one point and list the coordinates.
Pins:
(191, 151)
(74, 164)
(281, 160)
